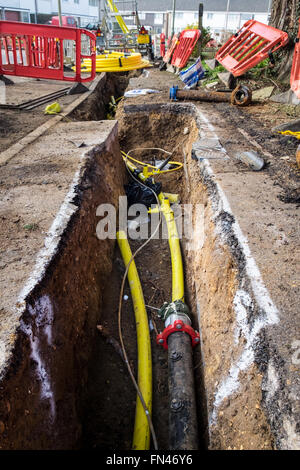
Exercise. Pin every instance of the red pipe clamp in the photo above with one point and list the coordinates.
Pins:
(177, 327)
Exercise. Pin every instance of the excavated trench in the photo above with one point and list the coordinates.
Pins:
(109, 383)
(94, 398)
(231, 413)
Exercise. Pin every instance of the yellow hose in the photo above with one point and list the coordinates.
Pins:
(156, 171)
(115, 62)
(173, 238)
(175, 251)
(141, 435)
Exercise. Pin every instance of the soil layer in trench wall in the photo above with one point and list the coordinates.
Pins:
(44, 380)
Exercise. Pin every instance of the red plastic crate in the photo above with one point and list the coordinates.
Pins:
(249, 46)
(162, 45)
(171, 49)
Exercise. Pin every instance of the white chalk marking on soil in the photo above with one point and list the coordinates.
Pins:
(272, 384)
(242, 300)
(42, 316)
(292, 441)
(2, 351)
(231, 383)
(67, 209)
(260, 291)
(51, 242)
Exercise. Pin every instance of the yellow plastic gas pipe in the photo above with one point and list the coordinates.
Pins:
(115, 62)
(141, 435)
(173, 238)
(175, 251)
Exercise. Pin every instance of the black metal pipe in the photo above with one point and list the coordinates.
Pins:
(164, 163)
(240, 96)
(203, 95)
(183, 429)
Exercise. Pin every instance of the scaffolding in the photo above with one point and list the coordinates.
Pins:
(118, 36)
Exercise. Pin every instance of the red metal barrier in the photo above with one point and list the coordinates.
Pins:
(33, 50)
(172, 47)
(295, 75)
(249, 46)
(162, 44)
(185, 46)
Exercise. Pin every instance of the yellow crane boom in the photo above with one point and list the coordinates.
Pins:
(119, 18)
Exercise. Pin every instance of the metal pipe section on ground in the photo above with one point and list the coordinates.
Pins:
(240, 96)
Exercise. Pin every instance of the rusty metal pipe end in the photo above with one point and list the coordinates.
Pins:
(241, 96)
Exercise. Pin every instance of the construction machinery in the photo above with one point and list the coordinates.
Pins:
(122, 37)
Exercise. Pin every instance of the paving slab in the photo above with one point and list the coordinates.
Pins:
(288, 97)
(262, 93)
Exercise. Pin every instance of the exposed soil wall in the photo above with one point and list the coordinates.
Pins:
(41, 392)
(237, 421)
(223, 290)
(96, 107)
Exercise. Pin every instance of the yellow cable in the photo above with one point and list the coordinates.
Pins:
(294, 134)
(157, 171)
(119, 18)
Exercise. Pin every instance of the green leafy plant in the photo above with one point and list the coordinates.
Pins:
(30, 226)
(212, 75)
(205, 37)
(261, 69)
(205, 34)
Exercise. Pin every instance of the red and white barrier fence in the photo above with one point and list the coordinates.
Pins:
(37, 51)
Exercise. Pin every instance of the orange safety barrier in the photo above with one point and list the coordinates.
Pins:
(37, 51)
(171, 49)
(249, 46)
(295, 75)
(162, 44)
(187, 41)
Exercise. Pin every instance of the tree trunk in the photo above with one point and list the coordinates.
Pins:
(285, 16)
